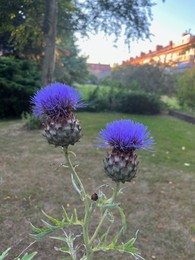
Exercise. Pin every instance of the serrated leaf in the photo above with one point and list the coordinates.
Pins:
(35, 229)
(103, 238)
(59, 238)
(54, 220)
(127, 247)
(4, 254)
(64, 250)
(102, 195)
(75, 214)
(66, 215)
(75, 185)
(41, 235)
(131, 242)
(29, 256)
(40, 232)
(84, 258)
(110, 216)
(110, 206)
(49, 226)
(123, 219)
(115, 239)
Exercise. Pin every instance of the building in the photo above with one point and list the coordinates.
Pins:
(176, 56)
(99, 70)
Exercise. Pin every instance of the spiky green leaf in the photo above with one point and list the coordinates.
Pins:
(103, 238)
(75, 185)
(123, 219)
(36, 230)
(49, 226)
(110, 216)
(41, 235)
(110, 206)
(59, 238)
(4, 254)
(66, 215)
(54, 220)
(28, 256)
(115, 239)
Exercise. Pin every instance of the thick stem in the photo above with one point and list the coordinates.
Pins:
(89, 251)
(115, 192)
(74, 173)
(50, 31)
(84, 197)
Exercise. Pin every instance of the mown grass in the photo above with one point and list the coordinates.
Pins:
(174, 139)
(86, 90)
(171, 102)
(159, 201)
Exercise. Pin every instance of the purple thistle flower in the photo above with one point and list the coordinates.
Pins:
(55, 104)
(56, 100)
(125, 136)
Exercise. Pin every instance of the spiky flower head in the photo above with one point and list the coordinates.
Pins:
(55, 104)
(124, 137)
(56, 100)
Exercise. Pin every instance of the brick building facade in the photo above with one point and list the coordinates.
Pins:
(100, 70)
(177, 56)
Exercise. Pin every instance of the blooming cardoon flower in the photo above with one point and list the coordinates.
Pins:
(54, 104)
(124, 137)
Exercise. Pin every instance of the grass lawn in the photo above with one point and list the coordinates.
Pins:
(159, 201)
(86, 90)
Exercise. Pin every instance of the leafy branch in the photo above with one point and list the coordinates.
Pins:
(56, 224)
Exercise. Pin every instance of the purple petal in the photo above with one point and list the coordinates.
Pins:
(125, 135)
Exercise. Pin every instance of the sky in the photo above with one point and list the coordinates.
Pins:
(170, 19)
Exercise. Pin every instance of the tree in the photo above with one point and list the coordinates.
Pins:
(21, 22)
(186, 88)
(70, 67)
(19, 80)
(147, 78)
(37, 18)
(50, 32)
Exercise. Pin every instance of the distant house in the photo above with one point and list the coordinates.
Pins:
(99, 70)
(177, 56)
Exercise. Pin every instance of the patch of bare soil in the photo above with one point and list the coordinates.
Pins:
(159, 202)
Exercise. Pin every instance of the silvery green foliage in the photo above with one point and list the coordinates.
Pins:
(97, 242)
(26, 256)
(55, 103)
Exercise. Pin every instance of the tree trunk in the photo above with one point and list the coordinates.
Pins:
(49, 30)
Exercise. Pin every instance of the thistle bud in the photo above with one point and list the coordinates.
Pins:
(124, 137)
(55, 104)
(120, 166)
(63, 132)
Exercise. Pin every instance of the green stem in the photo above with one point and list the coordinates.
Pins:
(89, 251)
(112, 199)
(84, 197)
(72, 169)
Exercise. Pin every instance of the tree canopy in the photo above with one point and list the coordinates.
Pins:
(26, 24)
(147, 78)
(25, 19)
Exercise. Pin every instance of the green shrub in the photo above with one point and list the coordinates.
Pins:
(97, 101)
(19, 79)
(31, 121)
(138, 103)
(186, 88)
(147, 78)
(123, 101)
